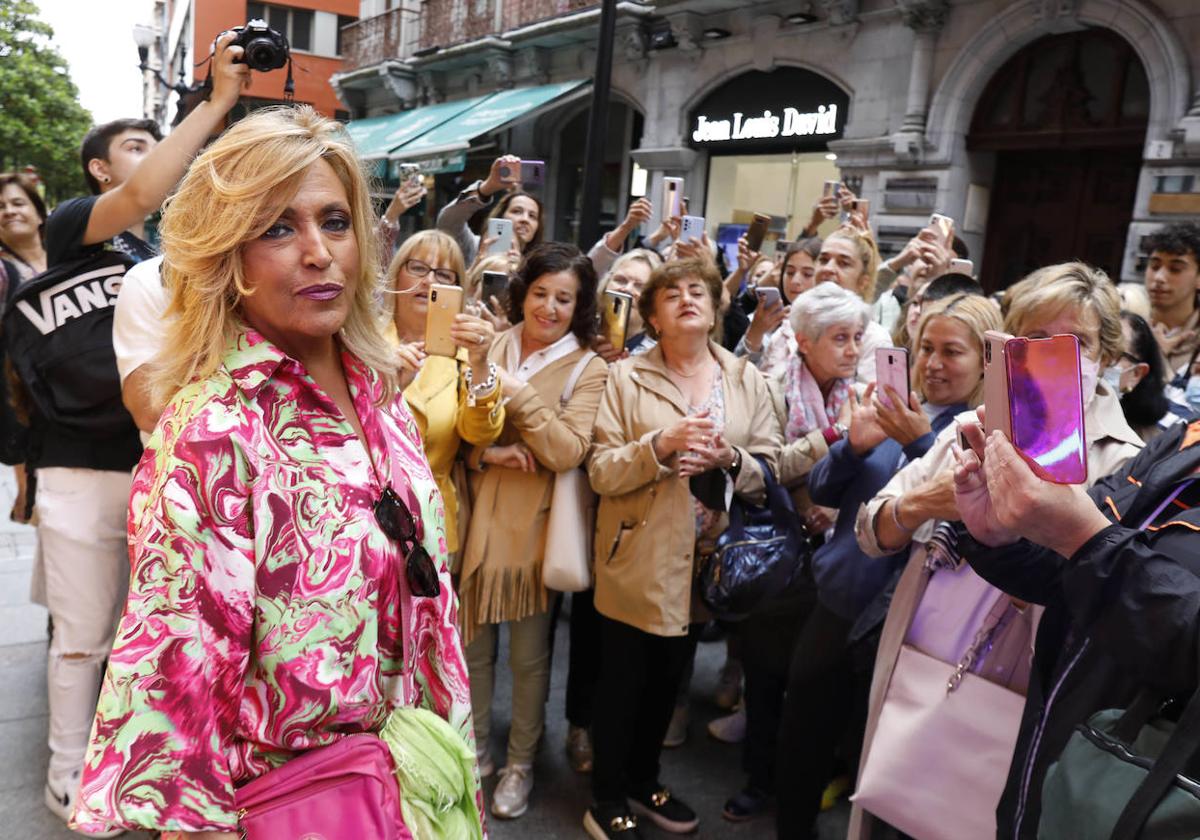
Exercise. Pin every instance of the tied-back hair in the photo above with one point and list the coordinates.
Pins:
(975, 312)
(868, 253)
(1147, 402)
(232, 193)
(675, 271)
(1050, 290)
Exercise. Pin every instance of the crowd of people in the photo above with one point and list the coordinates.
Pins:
(270, 517)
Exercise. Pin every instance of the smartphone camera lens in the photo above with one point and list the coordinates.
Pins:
(987, 352)
(433, 295)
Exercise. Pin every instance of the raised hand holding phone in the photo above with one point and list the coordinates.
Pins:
(505, 174)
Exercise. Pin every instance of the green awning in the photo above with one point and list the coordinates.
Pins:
(376, 137)
(486, 115)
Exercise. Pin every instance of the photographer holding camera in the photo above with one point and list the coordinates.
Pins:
(83, 441)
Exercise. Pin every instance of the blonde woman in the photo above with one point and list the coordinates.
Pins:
(629, 274)
(289, 584)
(849, 258)
(916, 510)
(452, 399)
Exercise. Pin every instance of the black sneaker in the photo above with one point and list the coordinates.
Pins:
(746, 805)
(665, 811)
(604, 822)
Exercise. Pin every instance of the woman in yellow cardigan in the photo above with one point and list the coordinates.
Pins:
(452, 400)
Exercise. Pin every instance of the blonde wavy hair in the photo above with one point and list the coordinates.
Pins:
(232, 193)
(868, 253)
(977, 313)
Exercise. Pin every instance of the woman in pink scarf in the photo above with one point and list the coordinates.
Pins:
(828, 322)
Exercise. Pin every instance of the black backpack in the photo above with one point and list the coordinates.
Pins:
(58, 332)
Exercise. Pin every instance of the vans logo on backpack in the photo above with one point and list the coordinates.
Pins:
(74, 298)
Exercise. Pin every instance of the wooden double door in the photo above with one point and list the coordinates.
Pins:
(1055, 206)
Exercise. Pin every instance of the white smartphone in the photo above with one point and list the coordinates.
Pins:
(891, 371)
(692, 229)
(768, 295)
(502, 231)
(410, 173)
(672, 197)
(962, 267)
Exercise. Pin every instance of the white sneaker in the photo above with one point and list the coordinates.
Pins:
(511, 797)
(731, 729)
(729, 685)
(60, 799)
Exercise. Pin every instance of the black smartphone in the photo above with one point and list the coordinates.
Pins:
(494, 285)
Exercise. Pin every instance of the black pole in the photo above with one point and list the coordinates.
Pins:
(593, 159)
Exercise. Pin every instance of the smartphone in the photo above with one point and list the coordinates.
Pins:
(831, 189)
(533, 173)
(861, 205)
(494, 285)
(445, 302)
(944, 224)
(410, 173)
(995, 383)
(1045, 399)
(672, 197)
(757, 232)
(770, 248)
(692, 229)
(891, 371)
(768, 295)
(511, 172)
(614, 318)
(502, 231)
(962, 267)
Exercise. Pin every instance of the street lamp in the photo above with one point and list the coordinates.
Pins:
(144, 36)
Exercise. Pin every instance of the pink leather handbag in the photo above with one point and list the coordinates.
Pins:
(345, 791)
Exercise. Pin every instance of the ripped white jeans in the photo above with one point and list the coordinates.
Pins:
(82, 530)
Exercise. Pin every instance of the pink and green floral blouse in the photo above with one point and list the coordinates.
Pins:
(267, 611)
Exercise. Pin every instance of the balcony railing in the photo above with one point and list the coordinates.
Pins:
(448, 22)
(400, 32)
(375, 39)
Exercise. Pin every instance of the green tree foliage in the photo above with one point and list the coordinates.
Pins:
(41, 120)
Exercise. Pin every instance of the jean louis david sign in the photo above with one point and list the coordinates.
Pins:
(768, 126)
(788, 108)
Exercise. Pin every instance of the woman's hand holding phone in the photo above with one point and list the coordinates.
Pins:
(475, 335)
(902, 423)
(607, 352)
(497, 181)
(767, 316)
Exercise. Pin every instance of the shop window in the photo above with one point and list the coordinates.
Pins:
(295, 24)
(343, 22)
(1083, 89)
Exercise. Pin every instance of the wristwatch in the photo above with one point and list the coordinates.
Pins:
(734, 467)
(842, 429)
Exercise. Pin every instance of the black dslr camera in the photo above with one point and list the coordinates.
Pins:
(265, 49)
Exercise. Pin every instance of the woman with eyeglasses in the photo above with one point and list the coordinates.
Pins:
(551, 383)
(452, 399)
(287, 541)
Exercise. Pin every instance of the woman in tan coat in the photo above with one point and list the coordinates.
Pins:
(1068, 298)
(552, 303)
(687, 414)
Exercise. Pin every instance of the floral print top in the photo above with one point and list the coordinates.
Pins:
(267, 611)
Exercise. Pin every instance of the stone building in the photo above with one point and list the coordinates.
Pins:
(1048, 129)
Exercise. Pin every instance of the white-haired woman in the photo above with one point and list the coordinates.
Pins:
(289, 585)
(817, 384)
(629, 274)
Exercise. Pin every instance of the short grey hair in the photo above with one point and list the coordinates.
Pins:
(823, 306)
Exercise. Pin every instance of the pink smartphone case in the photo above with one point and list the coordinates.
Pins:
(1045, 400)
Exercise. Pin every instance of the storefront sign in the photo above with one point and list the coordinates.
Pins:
(785, 109)
(791, 123)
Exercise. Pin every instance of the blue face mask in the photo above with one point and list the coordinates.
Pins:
(1193, 393)
(1112, 377)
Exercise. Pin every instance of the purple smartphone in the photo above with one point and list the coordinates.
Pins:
(1045, 401)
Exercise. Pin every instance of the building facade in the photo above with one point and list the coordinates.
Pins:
(1048, 129)
(187, 28)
